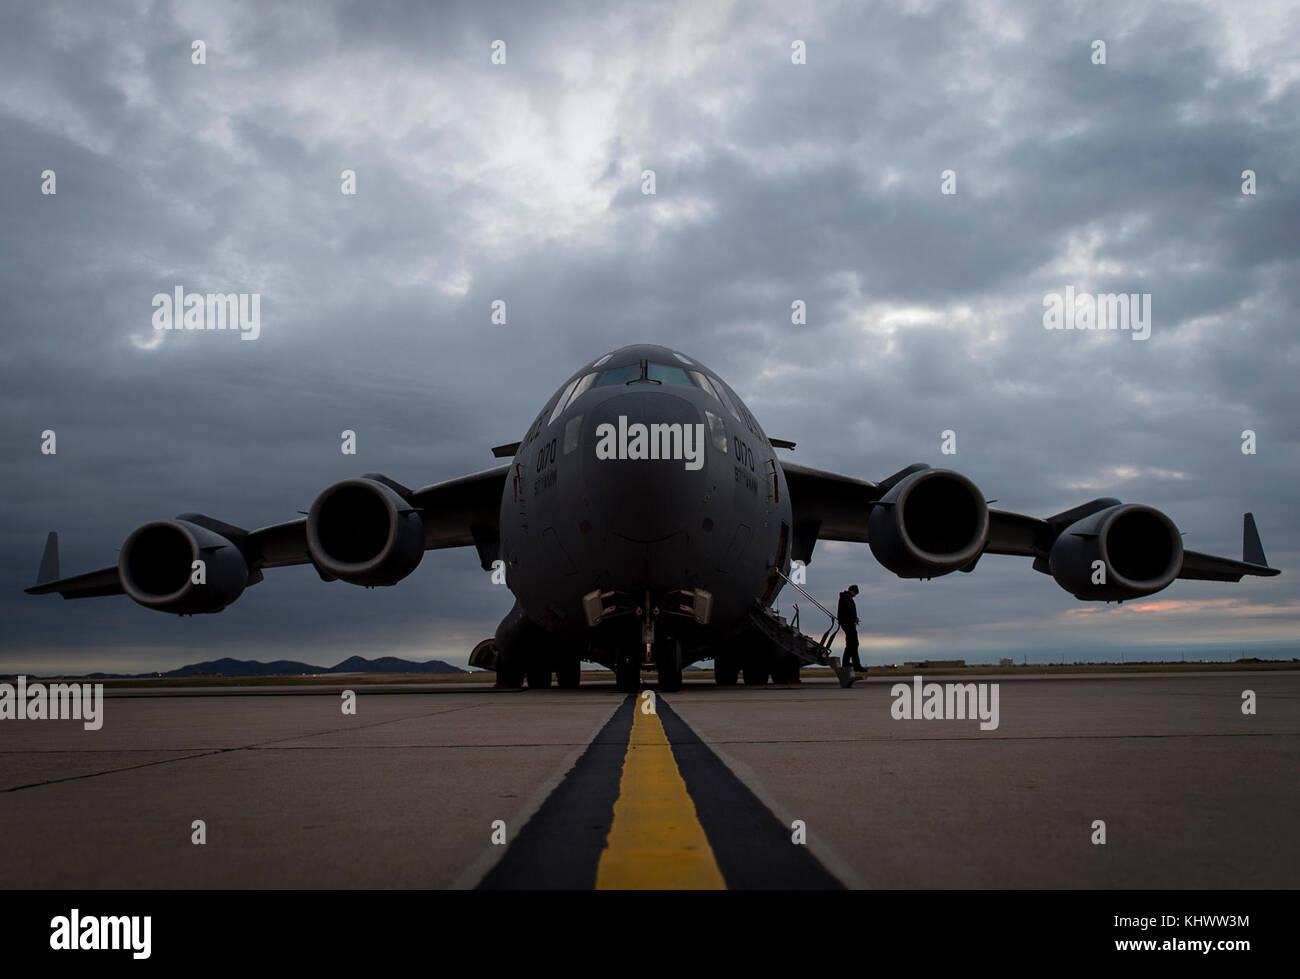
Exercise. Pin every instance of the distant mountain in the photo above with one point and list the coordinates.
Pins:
(243, 667)
(392, 664)
(287, 667)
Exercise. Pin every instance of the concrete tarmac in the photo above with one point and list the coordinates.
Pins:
(293, 793)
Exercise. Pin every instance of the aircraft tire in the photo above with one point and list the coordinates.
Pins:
(508, 675)
(669, 655)
(568, 672)
(786, 669)
(628, 673)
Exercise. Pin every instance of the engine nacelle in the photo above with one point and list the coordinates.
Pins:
(157, 568)
(364, 533)
(933, 522)
(1139, 548)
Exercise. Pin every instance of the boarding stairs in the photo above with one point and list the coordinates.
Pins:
(786, 637)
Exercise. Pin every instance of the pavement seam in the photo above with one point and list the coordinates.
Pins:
(220, 751)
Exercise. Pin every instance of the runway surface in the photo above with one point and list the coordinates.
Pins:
(719, 787)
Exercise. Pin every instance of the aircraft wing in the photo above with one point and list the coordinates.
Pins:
(102, 582)
(455, 513)
(831, 506)
(464, 511)
(827, 506)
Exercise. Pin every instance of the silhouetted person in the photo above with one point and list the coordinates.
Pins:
(848, 616)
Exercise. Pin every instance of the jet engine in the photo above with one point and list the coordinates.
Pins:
(933, 522)
(362, 532)
(178, 566)
(1125, 551)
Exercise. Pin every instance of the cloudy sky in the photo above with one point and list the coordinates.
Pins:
(775, 182)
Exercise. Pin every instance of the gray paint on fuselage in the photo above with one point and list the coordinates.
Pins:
(571, 522)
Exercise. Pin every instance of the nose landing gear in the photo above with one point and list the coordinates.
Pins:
(627, 670)
(668, 659)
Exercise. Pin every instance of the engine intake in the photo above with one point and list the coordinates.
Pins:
(364, 533)
(933, 522)
(156, 566)
(1139, 548)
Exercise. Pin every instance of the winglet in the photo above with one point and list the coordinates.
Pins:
(49, 560)
(1252, 551)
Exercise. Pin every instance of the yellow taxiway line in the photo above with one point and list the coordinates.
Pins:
(656, 840)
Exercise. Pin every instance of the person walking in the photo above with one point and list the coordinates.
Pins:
(848, 617)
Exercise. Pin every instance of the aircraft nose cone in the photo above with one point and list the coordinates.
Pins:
(646, 462)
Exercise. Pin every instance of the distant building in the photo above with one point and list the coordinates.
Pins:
(929, 663)
(1006, 661)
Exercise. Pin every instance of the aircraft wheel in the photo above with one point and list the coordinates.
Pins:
(568, 672)
(628, 673)
(726, 670)
(786, 669)
(755, 670)
(508, 674)
(539, 677)
(669, 661)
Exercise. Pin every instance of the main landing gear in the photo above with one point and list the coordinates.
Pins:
(566, 667)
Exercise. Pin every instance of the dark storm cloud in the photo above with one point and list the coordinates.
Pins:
(522, 182)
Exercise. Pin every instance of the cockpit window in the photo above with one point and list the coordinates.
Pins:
(572, 392)
(644, 372)
(702, 382)
(619, 375)
(563, 400)
(587, 381)
(723, 397)
(666, 374)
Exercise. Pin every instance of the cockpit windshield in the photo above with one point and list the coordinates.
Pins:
(645, 372)
(619, 375)
(666, 374)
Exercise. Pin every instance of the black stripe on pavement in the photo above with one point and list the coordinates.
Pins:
(560, 846)
(752, 847)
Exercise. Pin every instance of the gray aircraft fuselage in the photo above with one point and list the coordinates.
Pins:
(586, 507)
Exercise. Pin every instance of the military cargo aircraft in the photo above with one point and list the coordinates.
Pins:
(645, 521)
